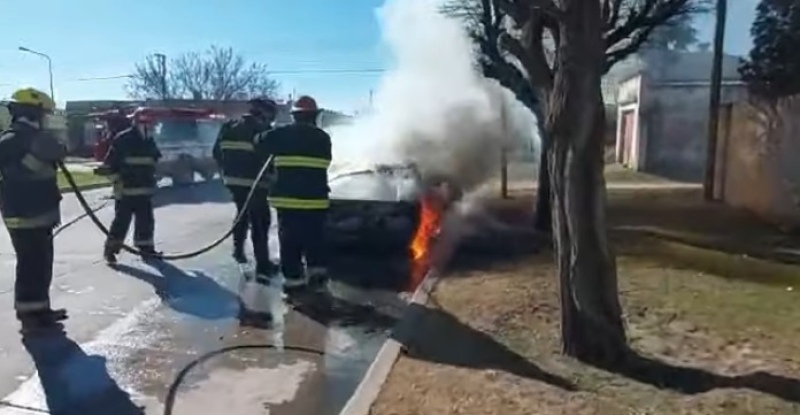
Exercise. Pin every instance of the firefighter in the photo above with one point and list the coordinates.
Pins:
(239, 164)
(30, 203)
(130, 163)
(302, 154)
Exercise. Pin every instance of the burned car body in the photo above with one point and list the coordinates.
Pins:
(375, 209)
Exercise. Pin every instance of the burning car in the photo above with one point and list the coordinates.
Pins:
(376, 208)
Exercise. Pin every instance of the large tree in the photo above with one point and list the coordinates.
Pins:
(565, 47)
(216, 73)
(653, 24)
(772, 71)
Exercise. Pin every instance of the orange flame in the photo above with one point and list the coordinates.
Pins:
(431, 209)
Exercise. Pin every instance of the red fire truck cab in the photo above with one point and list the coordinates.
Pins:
(185, 137)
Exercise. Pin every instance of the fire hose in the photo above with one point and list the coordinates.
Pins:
(172, 392)
(91, 214)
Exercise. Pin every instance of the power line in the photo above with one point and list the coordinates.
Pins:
(276, 72)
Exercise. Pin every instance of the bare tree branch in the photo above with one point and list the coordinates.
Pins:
(146, 81)
(218, 74)
(631, 22)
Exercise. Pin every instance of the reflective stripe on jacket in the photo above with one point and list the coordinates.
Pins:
(302, 155)
(132, 160)
(29, 193)
(235, 152)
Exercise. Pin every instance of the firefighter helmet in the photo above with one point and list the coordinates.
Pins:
(34, 98)
(264, 104)
(305, 104)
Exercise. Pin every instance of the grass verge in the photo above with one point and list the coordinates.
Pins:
(724, 343)
(84, 180)
(500, 351)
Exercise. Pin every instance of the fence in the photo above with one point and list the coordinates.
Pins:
(757, 160)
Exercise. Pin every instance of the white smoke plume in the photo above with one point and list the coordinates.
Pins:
(434, 108)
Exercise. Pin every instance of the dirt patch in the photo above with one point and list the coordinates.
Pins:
(710, 342)
(615, 173)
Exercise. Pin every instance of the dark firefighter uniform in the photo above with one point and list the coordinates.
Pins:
(302, 154)
(240, 164)
(131, 163)
(30, 203)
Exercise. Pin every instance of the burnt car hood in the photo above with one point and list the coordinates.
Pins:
(375, 186)
(376, 207)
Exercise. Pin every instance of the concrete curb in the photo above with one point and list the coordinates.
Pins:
(360, 403)
(367, 391)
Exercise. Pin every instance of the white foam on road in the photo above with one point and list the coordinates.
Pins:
(123, 332)
(229, 391)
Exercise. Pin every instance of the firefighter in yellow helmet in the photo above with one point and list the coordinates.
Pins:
(301, 155)
(30, 204)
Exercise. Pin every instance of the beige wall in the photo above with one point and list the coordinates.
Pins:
(757, 160)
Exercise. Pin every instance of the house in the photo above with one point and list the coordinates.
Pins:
(662, 111)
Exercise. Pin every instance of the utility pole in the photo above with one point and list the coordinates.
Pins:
(714, 100)
(162, 73)
(504, 150)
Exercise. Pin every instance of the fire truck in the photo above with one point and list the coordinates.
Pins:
(185, 137)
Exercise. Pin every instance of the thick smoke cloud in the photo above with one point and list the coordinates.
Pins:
(434, 108)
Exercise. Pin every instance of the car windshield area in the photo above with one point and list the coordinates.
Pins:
(175, 131)
(381, 183)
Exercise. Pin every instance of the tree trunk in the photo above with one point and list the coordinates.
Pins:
(543, 214)
(591, 316)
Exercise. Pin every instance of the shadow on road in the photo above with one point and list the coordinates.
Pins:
(328, 310)
(691, 381)
(193, 194)
(73, 382)
(438, 337)
(195, 294)
(389, 273)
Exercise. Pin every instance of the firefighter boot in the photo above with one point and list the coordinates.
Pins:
(148, 252)
(238, 254)
(42, 319)
(255, 303)
(318, 278)
(267, 268)
(110, 253)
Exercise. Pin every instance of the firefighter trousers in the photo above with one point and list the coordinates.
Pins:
(34, 273)
(257, 218)
(137, 209)
(301, 235)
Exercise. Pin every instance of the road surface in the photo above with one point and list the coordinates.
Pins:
(131, 329)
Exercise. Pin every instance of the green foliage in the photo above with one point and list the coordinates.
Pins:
(772, 71)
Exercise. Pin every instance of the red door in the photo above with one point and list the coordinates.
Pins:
(628, 122)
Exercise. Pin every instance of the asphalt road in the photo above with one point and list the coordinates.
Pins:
(132, 329)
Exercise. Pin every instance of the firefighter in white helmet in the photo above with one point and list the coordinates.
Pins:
(301, 155)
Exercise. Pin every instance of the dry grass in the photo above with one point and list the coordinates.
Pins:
(488, 343)
(616, 173)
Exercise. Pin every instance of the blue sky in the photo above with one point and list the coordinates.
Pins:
(100, 38)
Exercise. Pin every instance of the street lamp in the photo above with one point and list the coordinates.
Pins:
(49, 67)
